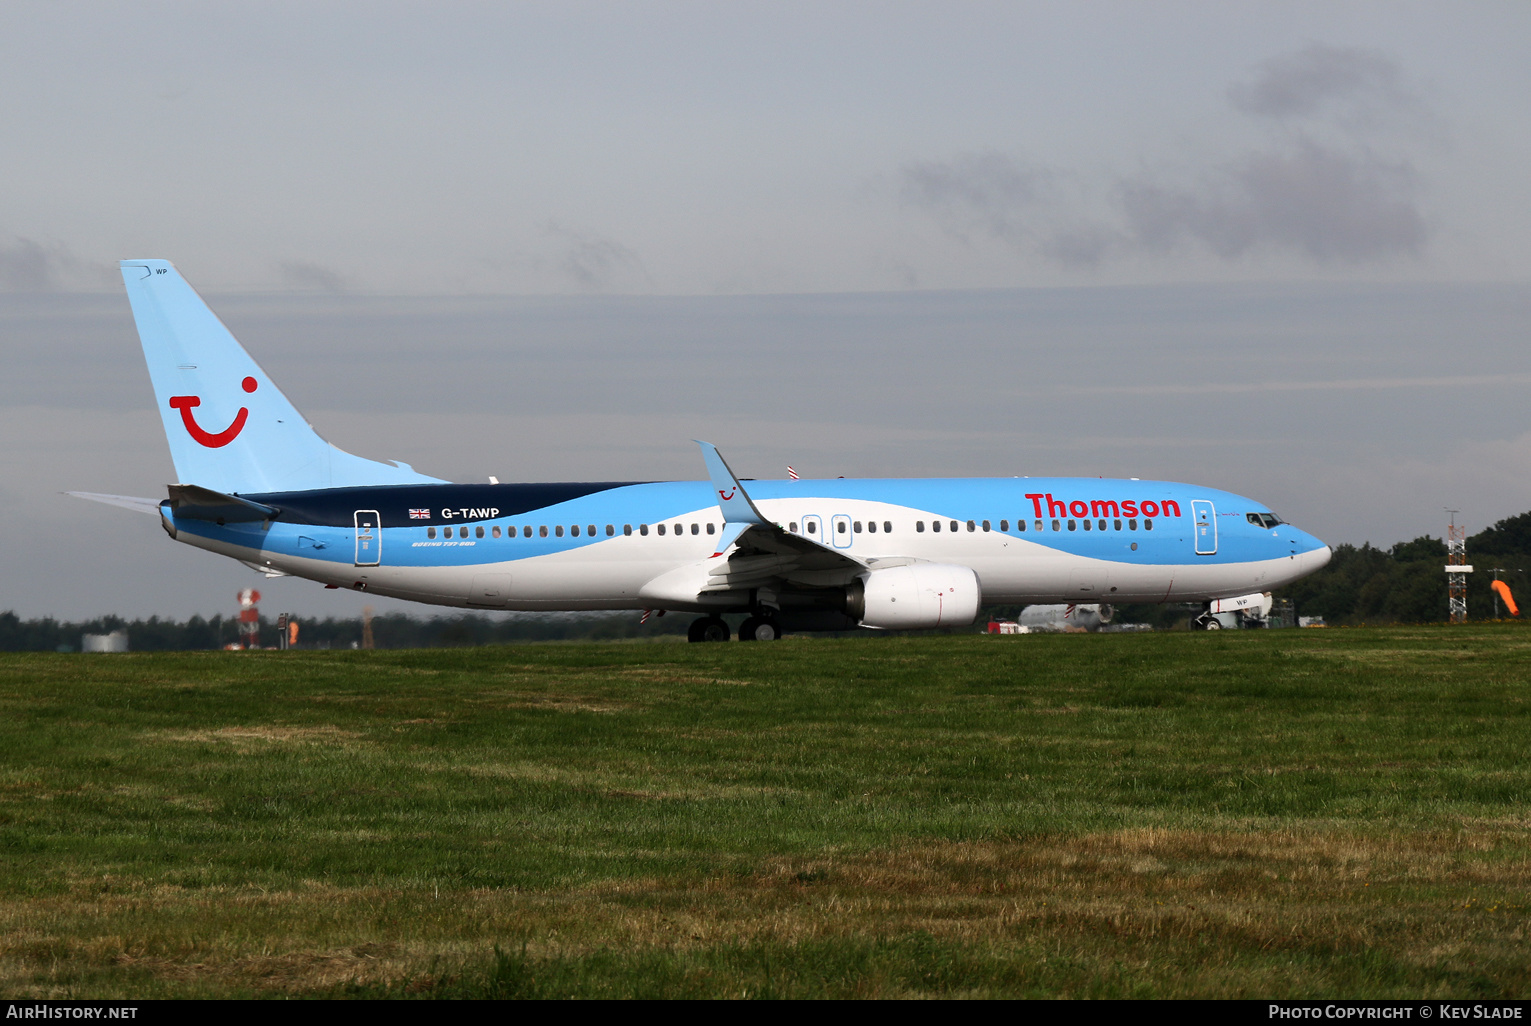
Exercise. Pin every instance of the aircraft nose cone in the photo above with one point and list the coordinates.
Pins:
(1321, 557)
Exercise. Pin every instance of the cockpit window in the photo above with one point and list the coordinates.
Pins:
(1264, 519)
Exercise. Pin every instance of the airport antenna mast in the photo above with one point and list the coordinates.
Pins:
(1456, 569)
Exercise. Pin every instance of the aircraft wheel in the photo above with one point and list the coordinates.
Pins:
(1212, 624)
(759, 628)
(707, 628)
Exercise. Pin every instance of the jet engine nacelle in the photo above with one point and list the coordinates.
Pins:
(915, 597)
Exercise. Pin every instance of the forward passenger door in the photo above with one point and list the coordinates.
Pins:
(1205, 520)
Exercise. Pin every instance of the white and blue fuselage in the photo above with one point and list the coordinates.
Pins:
(596, 546)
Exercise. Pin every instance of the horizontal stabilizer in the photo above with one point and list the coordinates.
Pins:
(149, 506)
(200, 503)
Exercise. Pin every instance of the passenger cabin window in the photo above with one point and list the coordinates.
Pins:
(627, 530)
(430, 532)
(856, 527)
(919, 527)
(496, 530)
(1132, 524)
(1101, 525)
(839, 526)
(526, 532)
(1071, 525)
(478, 532)
(660, 529)
(1148, 523)
(610, 531)
(812, 527)
(792, 527)
(954, 525)
(697, 528)
(1039, 525)
(590, 530)
(558, 531)
(712, 528)
(973, 527)
(680, 528)
(1118, 525)
(935, 525)
(1086, 525)
(574, 530)
(887, 527)
(643, 529)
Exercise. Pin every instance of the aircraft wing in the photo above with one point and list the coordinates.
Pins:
(133, 502)
(752, 551)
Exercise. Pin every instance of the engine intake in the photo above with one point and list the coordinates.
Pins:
(916, 597)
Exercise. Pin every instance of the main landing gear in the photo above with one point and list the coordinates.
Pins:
(708, 628)
(759, 628)
(712, 628)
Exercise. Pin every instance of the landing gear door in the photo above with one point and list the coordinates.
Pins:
(1205, 523)
(369, 538)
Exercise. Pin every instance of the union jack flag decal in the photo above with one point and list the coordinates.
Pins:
(419, 514)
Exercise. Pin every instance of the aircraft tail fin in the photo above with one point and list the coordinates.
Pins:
(230, 428)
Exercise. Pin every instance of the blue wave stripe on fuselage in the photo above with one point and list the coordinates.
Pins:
(320, 524)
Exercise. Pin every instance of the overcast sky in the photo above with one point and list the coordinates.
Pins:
(1275, 248)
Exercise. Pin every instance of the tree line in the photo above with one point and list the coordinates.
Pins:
(1406, 583)
(392, 630)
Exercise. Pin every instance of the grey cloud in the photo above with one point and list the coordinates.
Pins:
(1305, 82)
(1320, 201)
(1321, 191)
(1082, 245)
(303, 276)
(30, 266)
(988, 193)
(597, 264)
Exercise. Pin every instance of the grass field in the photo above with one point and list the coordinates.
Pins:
(1258, 814)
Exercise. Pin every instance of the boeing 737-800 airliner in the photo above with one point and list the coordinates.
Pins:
(259, 485)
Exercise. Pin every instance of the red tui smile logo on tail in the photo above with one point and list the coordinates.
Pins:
(186, 403)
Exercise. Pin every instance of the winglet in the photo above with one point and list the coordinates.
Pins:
(732, 498)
